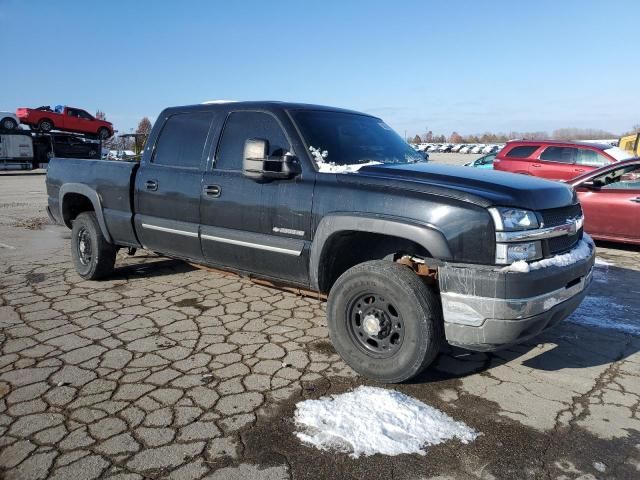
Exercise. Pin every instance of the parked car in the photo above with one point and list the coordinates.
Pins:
(610, 198)
(434, 148)
(300, 195)
(64, 118)
(466, 149)
(490, 149)
(445, 148)
(8, 121)
(477, 149)
(556, 160)
(65, 145)
(483, 162)
(456, 148)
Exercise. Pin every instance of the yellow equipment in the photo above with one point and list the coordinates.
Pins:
(631, 143)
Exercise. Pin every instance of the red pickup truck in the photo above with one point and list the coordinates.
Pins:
(64, 118)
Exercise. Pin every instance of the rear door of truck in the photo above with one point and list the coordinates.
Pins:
(168, 185)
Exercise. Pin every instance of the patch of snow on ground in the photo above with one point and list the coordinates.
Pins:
(601, 467)
(601, 312)
(580, 252)
(603, 262)
(370, 420)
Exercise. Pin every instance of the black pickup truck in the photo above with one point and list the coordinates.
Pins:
(410, 254)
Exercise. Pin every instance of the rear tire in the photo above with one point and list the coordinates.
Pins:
(384, 320)
(45, 125)
(93, 257)
(103, 133)
(9, 124)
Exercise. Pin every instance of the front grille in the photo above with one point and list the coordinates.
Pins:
(559, 216)
(562, 244)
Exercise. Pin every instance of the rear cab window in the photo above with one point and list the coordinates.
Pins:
(522, 151)
(182, 140)
(239, 127)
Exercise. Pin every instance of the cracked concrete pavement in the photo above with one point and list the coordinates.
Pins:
(169, 371)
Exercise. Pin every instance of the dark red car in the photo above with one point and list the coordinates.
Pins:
(64, 118)
(610, 198)
(556, 160)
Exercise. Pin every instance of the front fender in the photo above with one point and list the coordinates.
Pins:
(427, 236)
(93, 197)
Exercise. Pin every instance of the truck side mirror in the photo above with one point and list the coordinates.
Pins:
(256, 163)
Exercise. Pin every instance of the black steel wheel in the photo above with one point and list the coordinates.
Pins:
(93, 256)
(375, 325)
(384, 320)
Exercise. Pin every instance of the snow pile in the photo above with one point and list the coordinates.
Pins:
(580, 252)
(320, 156)
(604, 263)
(601, 312)
(372, 420)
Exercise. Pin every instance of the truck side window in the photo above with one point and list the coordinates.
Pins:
(590, 158)
(182, 140)
(243, 125)
(523, 151)
(559, 154)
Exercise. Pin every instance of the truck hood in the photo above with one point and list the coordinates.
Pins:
(481, 187)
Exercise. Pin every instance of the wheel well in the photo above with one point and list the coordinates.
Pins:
(46, 119)
(73, 204)
(344, 250)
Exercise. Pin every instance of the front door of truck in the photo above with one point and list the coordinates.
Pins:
(257, 226)
(167, 187)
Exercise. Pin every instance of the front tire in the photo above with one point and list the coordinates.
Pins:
(93, 257)
(385, 322)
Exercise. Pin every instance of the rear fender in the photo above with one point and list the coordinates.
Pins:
(93, 197)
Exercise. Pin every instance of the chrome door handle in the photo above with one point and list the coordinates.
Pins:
(151, 185)
(636, 200)
(212, 190)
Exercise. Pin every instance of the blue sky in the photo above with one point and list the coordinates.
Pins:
(469, 66)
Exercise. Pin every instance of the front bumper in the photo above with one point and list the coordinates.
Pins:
(486, 309)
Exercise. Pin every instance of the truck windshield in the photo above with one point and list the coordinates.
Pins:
(345, 142)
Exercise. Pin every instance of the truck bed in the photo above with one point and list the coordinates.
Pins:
(109, 185)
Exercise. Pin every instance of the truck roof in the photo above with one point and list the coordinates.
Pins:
(259, 105)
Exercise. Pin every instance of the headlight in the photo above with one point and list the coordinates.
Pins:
(513, 219)
(507, 253)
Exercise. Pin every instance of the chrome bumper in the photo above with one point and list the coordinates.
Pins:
(487, 309)
(471, 310)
